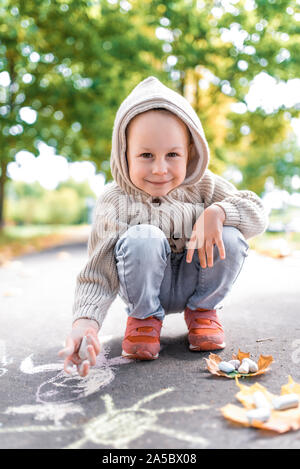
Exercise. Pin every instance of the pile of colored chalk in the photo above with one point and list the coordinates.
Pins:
(244, 367)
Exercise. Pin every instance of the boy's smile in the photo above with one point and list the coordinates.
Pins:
(157, 151)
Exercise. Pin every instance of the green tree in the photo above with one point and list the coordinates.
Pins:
(280, 161)
(82, 188)
(72, 62)
(219, 48)
(68, 62)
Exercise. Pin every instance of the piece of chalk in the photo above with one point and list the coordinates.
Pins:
(235, 363)
(253, 368)
(244, 367)
(262, 415)
(82, 352)
(260, 400)
(226, 367)
(287, 401)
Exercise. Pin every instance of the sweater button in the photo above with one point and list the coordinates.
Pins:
(156, 200)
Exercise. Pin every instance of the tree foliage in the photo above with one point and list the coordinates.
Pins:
(221, 46)
(72, 62)
(69, 63)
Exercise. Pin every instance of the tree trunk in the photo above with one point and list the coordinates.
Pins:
(3, 178)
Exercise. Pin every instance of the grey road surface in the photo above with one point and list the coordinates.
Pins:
(170, 403)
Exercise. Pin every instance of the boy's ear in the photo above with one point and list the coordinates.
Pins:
(191, 150)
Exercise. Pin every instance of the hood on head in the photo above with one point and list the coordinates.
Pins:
(148, 94)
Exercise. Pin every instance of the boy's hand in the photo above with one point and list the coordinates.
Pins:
(81, 328)
(207, 231)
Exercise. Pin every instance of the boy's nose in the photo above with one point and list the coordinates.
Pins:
(159, 168)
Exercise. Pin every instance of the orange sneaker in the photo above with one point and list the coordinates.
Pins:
(142, 338)
(205, 331)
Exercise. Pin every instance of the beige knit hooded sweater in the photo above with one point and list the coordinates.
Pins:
(122, 204)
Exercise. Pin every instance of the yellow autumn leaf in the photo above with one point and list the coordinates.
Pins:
(213, 361)
(240, 355)
(245, 395)
(290, 387)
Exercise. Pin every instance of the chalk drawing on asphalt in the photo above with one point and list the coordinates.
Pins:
(44, 412)
(64, 388)
(119, 427)
(54, 396)
(4, 360)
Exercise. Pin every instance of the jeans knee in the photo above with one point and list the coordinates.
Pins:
(143, 239)
(234, 240)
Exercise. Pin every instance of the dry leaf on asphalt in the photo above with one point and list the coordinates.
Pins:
(281, 421)
(213, 361)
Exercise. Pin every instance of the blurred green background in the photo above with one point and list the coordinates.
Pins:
(66, 66)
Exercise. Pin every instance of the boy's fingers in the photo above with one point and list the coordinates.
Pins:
(83, 368)
(68, 365)
(68, 350)
(210, 254)
(202, 257)
(76, 358)
(191, 247)
(93, 341)
(189, 255)
(190, 252)
(221, 248)
(91, 354)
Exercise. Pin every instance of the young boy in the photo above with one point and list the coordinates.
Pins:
(168, 235)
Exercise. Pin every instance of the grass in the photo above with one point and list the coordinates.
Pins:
(26, 232)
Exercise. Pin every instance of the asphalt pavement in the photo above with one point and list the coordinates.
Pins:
(169, 403)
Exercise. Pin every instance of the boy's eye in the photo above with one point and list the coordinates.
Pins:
(171, 153)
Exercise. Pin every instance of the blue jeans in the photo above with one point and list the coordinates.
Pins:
(154, 281)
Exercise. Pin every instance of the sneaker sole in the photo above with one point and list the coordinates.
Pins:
(207, 346)
(136, 356)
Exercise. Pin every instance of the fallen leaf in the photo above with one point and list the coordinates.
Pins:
(280, 421)
(245, 395)
(213, 361)
(290, 387)
(240, 355)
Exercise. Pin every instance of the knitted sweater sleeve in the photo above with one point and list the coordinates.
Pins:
(243, 208)
(97, 283)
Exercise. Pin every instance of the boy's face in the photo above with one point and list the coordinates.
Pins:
(157, 152)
